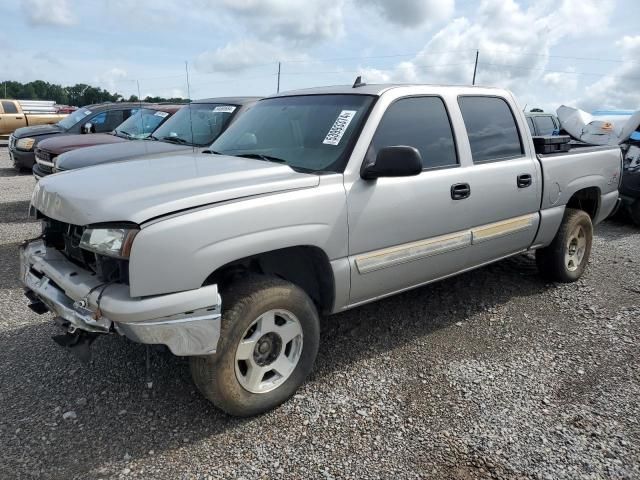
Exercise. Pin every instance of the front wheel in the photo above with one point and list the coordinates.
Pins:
(268, 344)
(568, 255)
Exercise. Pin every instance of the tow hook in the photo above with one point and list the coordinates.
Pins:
(36, 305)
(78, 342)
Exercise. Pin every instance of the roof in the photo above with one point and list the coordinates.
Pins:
(114, 105)
(170, 108)
(229, 100)
(368, 89)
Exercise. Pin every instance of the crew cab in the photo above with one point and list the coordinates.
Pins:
(138, 126)
(16, 114)
(194, 126)
(99, 118)
(313, 202)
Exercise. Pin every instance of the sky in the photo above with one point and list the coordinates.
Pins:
(548, 52)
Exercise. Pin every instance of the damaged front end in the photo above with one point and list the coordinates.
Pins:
(90, 297)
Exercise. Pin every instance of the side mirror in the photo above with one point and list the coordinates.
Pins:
(88, 128)
(397, 161)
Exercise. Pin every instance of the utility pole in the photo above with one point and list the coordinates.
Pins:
(475, 68)
(278, 89)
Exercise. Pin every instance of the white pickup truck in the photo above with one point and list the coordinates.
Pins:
(312, 202)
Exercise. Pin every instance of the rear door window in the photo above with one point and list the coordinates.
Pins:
(420, 122)
(491, 127)
(114, 118)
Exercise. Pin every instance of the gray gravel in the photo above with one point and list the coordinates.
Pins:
(493, 374)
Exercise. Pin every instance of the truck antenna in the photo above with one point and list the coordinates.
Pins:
(358, 82)
(186, 68)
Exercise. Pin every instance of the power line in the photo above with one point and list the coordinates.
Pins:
(543, 70)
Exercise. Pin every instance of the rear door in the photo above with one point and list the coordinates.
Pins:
(505, 179)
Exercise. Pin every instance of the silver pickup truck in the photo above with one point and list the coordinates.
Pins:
(313, 202)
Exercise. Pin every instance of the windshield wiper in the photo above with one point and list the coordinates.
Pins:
(174, 139)
(127, 134)
(261, 156)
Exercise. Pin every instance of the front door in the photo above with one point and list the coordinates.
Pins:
(407, 231)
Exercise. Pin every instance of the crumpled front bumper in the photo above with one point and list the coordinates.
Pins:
(187, 322)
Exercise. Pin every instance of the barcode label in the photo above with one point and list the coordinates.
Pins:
(339, 127)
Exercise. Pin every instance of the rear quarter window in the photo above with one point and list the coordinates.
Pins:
(491, 127)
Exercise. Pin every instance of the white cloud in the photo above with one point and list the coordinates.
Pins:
(514, 44)
(245, 54)
(303, 22)
(112, 79)
(566, 80)
(621, 88)
(48, 12)
(412, 13)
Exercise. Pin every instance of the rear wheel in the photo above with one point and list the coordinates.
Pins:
(568, 255)
(268, 344)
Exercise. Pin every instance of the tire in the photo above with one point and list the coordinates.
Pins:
(634, 212)
(256, 311)
(568, 255)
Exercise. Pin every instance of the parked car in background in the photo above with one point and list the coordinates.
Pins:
(138, 126)
(15, 114)
(194, 126)
(312, 202)
(542, 124)
(99, 118)
(630, 188)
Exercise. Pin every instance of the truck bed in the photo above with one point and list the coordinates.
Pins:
(565, 173)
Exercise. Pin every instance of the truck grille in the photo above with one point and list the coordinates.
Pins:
(66, 237)
(45, 160)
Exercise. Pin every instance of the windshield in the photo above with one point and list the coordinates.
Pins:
(76, 117)
(142, 123)
(205, 120)
(308, 132)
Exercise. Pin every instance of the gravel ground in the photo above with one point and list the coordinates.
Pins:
(493, 374)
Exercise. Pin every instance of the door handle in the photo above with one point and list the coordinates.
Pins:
(460, 191)
(18, 118)
(524, 180)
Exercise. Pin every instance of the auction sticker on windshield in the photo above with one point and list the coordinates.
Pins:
(224, 109)
(161, 114)
(339, 127)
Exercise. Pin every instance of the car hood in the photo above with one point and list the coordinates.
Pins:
(114, 153)
(65, 143)
(37, 130)
(140, 190)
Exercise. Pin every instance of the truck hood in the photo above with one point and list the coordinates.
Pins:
(64, 143)
(114, 153)
(37, 130)
(140, 190)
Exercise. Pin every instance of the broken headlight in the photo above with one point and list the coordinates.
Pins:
(113, 242)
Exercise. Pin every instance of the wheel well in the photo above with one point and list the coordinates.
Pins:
(587, 199)
(306, 266)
